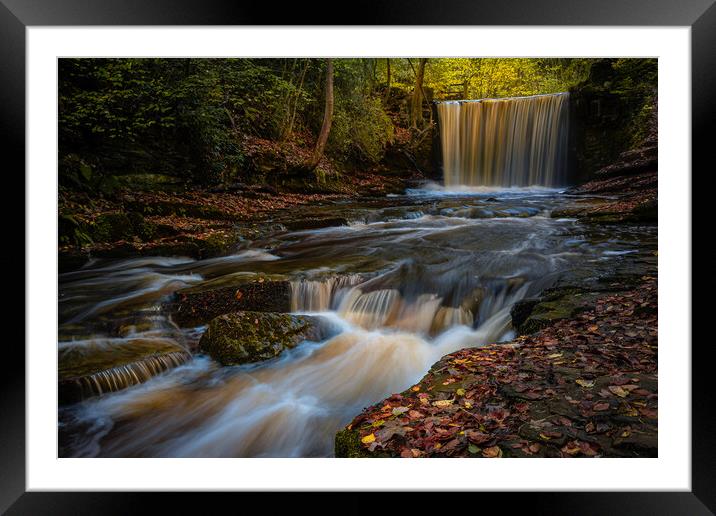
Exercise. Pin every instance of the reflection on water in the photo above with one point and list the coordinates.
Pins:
(405, 283)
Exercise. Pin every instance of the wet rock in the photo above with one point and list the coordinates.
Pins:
(95, 368)
(530, 316)
(246, 337)
(196, 306)
(584, 387)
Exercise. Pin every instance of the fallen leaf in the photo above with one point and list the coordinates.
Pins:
(443, 403)
(601, 406)
(368, 439)
(460, 392)
(399, 410)
(492, 452)
(587, 384)
(615, 389)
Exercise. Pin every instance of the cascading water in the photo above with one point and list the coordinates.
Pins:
(401, 292)
(520, 141)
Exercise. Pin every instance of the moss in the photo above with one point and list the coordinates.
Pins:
(110, 227)
(246, 337)
(218, 243)
(552, 307)
(141, 227)
(348, 445)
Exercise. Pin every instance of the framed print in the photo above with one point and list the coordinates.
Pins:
(300, 247)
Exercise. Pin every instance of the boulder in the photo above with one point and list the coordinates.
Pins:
(532, 315)
(246, 337)
(195, 306)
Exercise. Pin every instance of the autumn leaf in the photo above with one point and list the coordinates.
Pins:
(492, 452)
(587, 384)
(368, 439)
(601, 406)
(571, 448)
(615, 389)
(399, 410)
(443, 403)
(460, 392)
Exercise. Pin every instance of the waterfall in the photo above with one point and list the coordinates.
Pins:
(520, 141)
(120, 377)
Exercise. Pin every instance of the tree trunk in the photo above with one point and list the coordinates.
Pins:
(292, 110)
(327, 119)
(417, 107)
(387, 88)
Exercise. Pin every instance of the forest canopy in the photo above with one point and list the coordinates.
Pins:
(200, 119)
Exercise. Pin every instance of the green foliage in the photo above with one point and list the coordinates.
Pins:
(475, 78)
(71, 231)
(191, 118)
(361, 128)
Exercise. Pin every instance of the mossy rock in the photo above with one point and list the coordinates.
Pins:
(87, 370)
(347, 445)
(246, 337)
(218, 244)
(110, 227)
(201, 303)
(534, 315)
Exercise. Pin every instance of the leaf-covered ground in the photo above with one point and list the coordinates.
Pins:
(196, 222)
(584, 387)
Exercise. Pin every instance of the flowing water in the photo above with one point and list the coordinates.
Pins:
(520, 141)
(411, 279)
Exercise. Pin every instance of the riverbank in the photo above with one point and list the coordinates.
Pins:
(202, 223)
(579, 381)
(584, 386)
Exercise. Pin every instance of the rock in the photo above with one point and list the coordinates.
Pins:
(110, 227)
(347, 445)
(195, 306)
(315, 223)
(246, 337)
(530, 316)
(87, 370)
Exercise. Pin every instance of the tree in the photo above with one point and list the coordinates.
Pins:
(327, 119)
(387, 82)
(416, 113)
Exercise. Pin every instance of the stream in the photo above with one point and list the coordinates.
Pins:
(411, 278)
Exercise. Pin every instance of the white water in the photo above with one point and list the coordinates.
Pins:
(401, 293)
(520, 141)
(289, 408)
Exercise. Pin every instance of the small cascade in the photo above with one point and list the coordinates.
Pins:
(321, 295)
(120, 377)
(520, 141)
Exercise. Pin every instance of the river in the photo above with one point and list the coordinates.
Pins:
(410, 279)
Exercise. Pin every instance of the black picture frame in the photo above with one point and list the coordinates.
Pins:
(700, 15)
